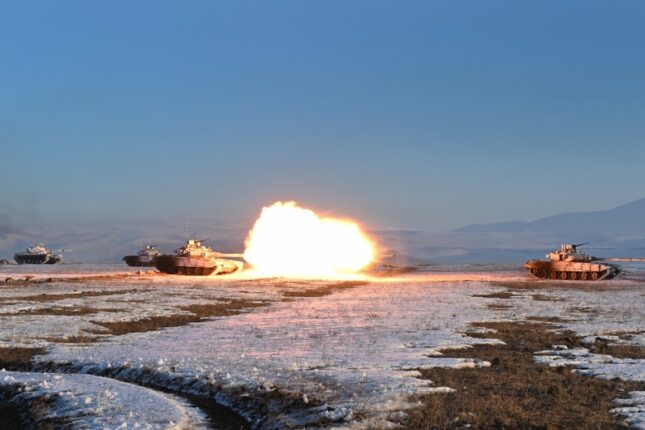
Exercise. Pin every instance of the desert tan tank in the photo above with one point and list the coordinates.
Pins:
(197, 259)
(570, 263)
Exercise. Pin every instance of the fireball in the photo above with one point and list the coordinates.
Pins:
(288, 240)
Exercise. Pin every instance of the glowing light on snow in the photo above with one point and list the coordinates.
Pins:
(288, 240)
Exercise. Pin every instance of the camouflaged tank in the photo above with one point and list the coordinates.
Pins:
(570, 264)
(144, 258)
(38, 254)
(197, 259)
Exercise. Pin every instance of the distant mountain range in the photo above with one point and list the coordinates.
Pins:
(628, 218)
(611, 233)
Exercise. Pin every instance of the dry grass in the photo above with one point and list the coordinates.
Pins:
(71, 339)
(62, 311)
(19, 412)
(197, 314)
(535, 284)
(583, 310)
(324, 291)
(516, 392)
(221, 309)
(602, 346)
(548, 319)
(545, 298)
(497, 295)
(18, 358)
(625, 334)
(65, 296)
(498, 306)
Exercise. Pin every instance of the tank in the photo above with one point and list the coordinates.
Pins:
(194, 258)
(38, 254)
(569, 263)
(144, 258)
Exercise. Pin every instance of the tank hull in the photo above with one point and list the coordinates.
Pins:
(26, 258)
(140, 260)
(571, 270)
(192, 266)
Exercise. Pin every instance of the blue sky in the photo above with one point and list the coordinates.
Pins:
(403, 114)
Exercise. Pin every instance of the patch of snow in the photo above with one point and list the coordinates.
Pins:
(633, 408)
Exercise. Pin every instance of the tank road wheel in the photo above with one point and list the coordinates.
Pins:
(574, 276)
(542, 274)
(594, 276)
(553, 275)
(584, 276)
(563, 276)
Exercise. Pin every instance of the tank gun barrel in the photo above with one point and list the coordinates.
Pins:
(223, 254)
(625, 259)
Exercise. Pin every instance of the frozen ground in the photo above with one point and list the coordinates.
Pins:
(338, 357)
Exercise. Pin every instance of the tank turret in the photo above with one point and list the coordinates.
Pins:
(570, 263)
(194, 258)
(39, 254)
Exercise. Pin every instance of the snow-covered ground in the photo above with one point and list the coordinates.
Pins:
(348, 358)
(93, 402)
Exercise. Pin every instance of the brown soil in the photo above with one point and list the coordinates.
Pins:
(516, 392)
(197, 314)
(324, 291)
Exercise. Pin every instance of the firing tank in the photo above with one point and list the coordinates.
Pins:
(572, 264)
(144, 258)
(194, 258)
(39, 254)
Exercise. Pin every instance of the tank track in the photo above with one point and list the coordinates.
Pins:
(137, 261)
(573, 276)
(35, 259)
